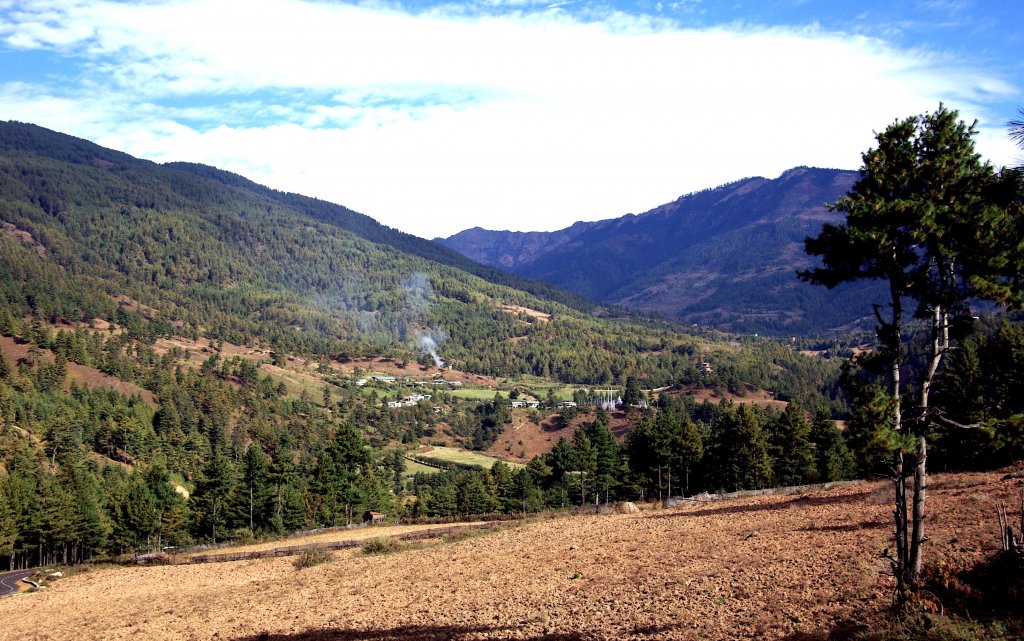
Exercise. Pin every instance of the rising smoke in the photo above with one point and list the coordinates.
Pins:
(418, 295)
(428, 340)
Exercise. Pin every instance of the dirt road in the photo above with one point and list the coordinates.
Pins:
(9, 581)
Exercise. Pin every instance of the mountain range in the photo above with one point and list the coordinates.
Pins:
(725, 257)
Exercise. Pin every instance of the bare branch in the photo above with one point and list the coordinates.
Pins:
(937, 415)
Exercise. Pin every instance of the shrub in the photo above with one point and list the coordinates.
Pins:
(380, 545)
(311, 557)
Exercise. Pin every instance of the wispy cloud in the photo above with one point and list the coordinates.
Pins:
(525, 117)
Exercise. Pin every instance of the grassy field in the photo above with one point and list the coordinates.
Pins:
(456, 455)
(540, 387)
(474, 394)
(412, 467)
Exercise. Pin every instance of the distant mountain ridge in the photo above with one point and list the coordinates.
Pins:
(725, 256)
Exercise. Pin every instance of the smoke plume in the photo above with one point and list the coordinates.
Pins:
(418, 294)
(427, 341)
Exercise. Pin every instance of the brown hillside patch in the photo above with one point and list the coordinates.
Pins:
(294, 381)
(101, 460)
(200, 349)
(524, 439)
(760, 398)
(543, 317)
(80, 374)
(298, 373)
(765, 567)
(24, 237)
(133, 305)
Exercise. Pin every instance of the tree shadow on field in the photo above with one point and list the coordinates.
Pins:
(445, 633)
(800, 501)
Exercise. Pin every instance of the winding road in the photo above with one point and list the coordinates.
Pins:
(9, 581)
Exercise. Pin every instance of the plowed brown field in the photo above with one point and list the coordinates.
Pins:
(762, 567)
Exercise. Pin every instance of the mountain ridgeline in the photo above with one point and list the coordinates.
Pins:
(725, 257)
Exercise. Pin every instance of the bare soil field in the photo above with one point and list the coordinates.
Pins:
(760, 398)
(526, 438)
(766, 567)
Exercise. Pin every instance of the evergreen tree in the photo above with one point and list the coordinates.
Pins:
(335, 475)
(922, 218)
(562, 460)
(632, 395)
(740, 448)
(586, 463)
(473, 496)
(374, 491)
(8, 527)
(792, 452)
(833, 460)
(607, 461)
(251, 499)
(442, 501)
(211, 496)
(691, 448)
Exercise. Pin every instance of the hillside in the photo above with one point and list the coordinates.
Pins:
(724, 257)
(770, 567)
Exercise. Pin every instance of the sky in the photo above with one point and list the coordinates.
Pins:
(434, 117)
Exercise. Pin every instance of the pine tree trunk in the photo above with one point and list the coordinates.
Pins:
(895, 345)
(900, 518)
(917, 538)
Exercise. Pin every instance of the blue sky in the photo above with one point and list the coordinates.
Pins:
(510, 114)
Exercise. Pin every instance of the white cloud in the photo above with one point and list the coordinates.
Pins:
(437, 122)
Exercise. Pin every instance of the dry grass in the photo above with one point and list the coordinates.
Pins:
(334, 536)
(311, 557)
(380, 545)
(767, 567)
(457, 455)
(543, 317)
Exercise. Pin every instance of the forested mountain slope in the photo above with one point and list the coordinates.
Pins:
(193, 251)
(726, 257)
(212, 253)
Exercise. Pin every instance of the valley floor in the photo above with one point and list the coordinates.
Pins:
(765, 567)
